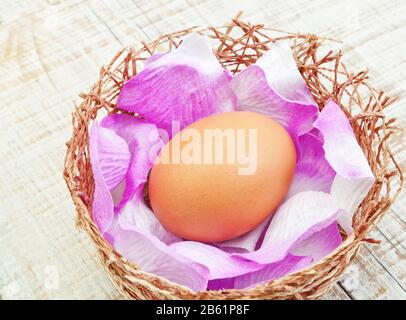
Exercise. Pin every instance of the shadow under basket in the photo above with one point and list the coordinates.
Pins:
(238, 45)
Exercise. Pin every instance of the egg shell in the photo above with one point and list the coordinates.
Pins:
(209, 202)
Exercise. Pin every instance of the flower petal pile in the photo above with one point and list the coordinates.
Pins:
(186, 85)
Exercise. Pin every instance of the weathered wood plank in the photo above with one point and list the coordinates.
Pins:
(366, 278)
(336, 293)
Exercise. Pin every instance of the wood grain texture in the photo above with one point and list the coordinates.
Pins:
(52, 50)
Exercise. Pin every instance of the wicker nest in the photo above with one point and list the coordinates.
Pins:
(239, 45)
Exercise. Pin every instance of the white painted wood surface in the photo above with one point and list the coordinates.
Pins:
(52, 50)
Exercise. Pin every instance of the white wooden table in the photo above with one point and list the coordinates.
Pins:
(52, 50)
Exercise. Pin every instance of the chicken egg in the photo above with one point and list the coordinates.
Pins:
(221, 176)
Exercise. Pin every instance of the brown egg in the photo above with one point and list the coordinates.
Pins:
(222, 176)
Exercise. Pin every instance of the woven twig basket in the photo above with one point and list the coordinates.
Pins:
(238, 46)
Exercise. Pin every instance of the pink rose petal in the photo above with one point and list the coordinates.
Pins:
(354, 177)
(282, 74)
(315, 133)
(153, 58)
(248, 241)
(135, 212)
(313, 172)
(183, 85)
(144, 144)
(219, 263)
(319, 244)
(109, 157)
(269, 272)
(118, 192)
(297, 218)
(274, 87)
(114, 156)
(221, 284)
(290, 264)
(340, 142)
